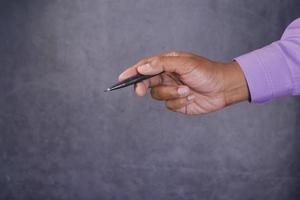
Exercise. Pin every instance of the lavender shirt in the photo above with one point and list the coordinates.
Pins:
(274, 71)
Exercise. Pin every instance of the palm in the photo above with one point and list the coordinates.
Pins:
(206, 85)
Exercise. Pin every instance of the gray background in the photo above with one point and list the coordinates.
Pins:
(62, 137)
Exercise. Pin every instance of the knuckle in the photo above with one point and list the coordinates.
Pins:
(158, 63)
(173, 53)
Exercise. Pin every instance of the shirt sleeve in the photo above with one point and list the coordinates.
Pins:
(274, 71)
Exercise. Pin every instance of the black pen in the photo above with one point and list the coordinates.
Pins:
(129, 81)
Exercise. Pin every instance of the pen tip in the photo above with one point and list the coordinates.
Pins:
(108, 89)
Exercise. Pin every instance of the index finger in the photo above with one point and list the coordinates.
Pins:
(131, 71)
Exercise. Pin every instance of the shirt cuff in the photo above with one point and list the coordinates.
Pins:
(267, 73)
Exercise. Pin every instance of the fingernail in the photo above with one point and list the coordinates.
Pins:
(190, 98)
(121, 75)
(183, 91)
(145, 68)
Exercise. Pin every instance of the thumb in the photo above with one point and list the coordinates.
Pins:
(176, 64)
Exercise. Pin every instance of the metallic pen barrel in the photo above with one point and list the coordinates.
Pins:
(115, 87)
(130, 81)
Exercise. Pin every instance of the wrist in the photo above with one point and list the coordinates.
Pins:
(235, 84)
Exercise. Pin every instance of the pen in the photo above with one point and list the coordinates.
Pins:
(129, 81)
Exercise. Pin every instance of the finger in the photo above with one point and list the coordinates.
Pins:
(180, 103)
(163, 92)
(131, 71)
(127, 73)
(140, 89)
(154, 81)
(177, 53)
(177, 64)
(163, 79)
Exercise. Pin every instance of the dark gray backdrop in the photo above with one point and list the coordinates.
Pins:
(62, 137)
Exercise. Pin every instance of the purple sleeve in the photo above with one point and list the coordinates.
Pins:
(274, 71)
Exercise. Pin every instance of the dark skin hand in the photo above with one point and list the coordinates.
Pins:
(190, 84)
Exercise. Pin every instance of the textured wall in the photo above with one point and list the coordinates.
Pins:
(62, 137)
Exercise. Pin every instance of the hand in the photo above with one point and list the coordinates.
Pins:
(190, 84)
